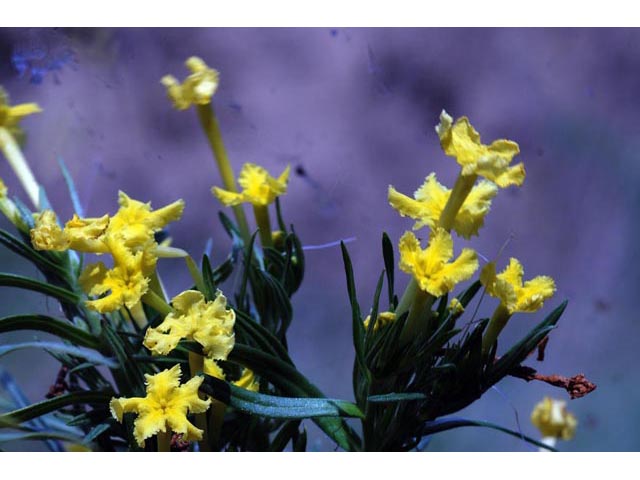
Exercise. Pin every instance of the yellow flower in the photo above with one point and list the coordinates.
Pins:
(259, 188)
(125, 284)
(248, 381)
(165, 407)
(507, 286)
(553, 420)
(462, 141)
(47, 234)
(87, 234)
(210, 367)
(208, 323)
(197, 89)
(384, 319)
(455, 307)
(429, 267)
(431, 198)
(135, 222)
(10, 116)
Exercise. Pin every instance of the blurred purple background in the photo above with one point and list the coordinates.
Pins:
(355, 108)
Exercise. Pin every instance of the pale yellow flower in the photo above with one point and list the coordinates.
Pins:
(462, 141)
(553, 419)
(259, 188)
(197, 89)
(512, 293)
(384, 319)
(47, 234)
(208, 323)
(430, 199)
(165, 406)
(10, 116)
(430, 267)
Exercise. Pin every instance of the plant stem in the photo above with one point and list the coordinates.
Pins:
(461, 189)
(19, 164)
(216, 419)
(498, 321)
(164, 441)
(157, 303)
(264, 224)
(209, 123)
(137, 312)
(416, 322)
(196, 365)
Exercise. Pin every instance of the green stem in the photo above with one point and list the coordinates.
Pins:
(461, 189)
(498, 321)
(216, 420)
(209, 123)
(19, 164)
(137, 312)
(407, 297)
(196, 365)
(157, 303)
(416, 320)
(195, 274)
(164, 441)
(264, 224)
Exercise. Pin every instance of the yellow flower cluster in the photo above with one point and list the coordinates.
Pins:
(384, 319)
(258, 187)
(165, 407)
(462, 209)
(128, 236)
(553, 419)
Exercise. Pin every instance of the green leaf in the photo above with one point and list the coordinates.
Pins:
(129, 371)
(39, 435)
(389, 266)
(85, 353)
(46, 406)
(356, 318)
(96, 432)
(44, 323)
(261, 336)
(18, 281)
(73, 193)
(374, 309)
(449, 423)
(195, 275)
(208, 279)
(287, 433)
(291, 382)
(271, 406)
(466, 296)
(396, 397)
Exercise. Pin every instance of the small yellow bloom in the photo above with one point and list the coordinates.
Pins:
(47, 234)
(507, 286)
(248, 381)
(10, 116)
(197, 89)
(208, 323)
(125, 283)
(431, 198)
(553, 420)
(384, 319)
(211, 368)
(462, 141)
(455, 307)
(429, 267)
(165, 406)
(259, 188)
(135, 222)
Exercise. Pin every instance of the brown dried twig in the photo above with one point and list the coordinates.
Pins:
(577, 386)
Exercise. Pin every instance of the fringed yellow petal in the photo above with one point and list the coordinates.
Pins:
(212, 369)
(455, 307)
(508, 288)
(10, 116)
(462, 141)
(47, 234)
(553, 419)
(166, 404)
(259, 188)
(429, 267)
(431, 199)
(208, 323)
(87, 234)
